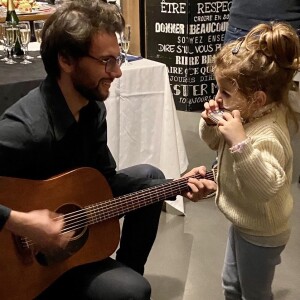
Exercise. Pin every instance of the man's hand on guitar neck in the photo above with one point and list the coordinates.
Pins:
(199, 188)
(41, 227)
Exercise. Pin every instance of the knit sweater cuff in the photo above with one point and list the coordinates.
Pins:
(208, 133)
(246, 152)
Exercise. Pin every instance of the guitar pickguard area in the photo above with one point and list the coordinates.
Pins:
(78, 225)
(76, 220)
(48, 259)
(77, 196)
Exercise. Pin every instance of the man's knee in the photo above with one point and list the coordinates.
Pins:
(144, 171)
(124, 284)
(152, 172)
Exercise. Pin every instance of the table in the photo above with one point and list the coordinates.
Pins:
(146, 129)
(43, 14)
(142, 121)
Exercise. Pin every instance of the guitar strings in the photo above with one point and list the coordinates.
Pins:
(102, 211)
(105, 206)
(94, 213)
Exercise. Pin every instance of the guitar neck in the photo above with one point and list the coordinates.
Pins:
(70, 195)
(121, 205)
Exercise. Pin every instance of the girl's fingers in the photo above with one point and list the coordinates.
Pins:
(236, 114)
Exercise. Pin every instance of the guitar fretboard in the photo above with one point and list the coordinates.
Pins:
(115, 207)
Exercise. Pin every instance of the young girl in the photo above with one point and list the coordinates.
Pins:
(254, 75)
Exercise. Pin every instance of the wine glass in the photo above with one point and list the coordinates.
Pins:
(125, 41)
(24, 39)
(11, 34)
(3, 41)
(29, 26)
(38, 27)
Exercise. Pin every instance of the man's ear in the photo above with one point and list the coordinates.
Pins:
(66, 64)
(260, 98)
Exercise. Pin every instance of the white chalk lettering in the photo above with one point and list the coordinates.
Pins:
(202, 99)
(204, 48)
(206, 70)
(172, 8)
(218, 47)
(187, 60)
(190, 40)
(226, 17)
(181, 79)
(169, 28)
(216, 38)
(207, 59)
(207, 77)
(203, 18)
(184, 50)
(213, 7)
(186, 90)
(199, 99)
(176, 70)
(200, 90)
(196, 39)
(192, 71)
(166, 48)
(207, 28)
(213, 87)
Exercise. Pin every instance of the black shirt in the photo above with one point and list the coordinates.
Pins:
(246, 14)
(40, 138)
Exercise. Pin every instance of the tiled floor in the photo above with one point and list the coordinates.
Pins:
(187, 258)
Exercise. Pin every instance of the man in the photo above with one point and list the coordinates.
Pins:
(59, 127)
(244, 15)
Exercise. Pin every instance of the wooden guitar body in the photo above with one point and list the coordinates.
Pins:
(85, 202)
(23, 274)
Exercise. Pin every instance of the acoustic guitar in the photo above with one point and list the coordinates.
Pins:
(24, 271)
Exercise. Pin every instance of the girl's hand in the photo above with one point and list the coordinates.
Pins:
(209, 107)
(232, 128)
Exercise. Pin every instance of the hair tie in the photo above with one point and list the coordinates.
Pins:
(236, 49)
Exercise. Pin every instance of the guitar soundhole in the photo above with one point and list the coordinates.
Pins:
(76, 220)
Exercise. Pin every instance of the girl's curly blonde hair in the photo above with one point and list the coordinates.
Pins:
(266, 59)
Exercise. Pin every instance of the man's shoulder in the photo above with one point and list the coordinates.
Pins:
(29, 112)
(29, 104)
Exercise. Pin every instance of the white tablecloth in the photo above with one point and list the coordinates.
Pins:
(142, 121)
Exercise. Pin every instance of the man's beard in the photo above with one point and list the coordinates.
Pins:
(90, 93)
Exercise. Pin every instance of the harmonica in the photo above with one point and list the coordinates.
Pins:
(216, 115)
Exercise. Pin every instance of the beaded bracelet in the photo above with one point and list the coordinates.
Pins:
(239, 147)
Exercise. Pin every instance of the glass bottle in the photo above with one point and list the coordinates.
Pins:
(12, 18)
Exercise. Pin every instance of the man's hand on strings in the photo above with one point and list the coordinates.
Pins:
(199, 188)
(42, 228)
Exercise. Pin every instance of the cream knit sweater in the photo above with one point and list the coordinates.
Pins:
(254, 186)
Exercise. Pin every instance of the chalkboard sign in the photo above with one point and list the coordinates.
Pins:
(185, 34)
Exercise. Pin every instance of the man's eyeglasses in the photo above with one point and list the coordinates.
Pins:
(109, 62)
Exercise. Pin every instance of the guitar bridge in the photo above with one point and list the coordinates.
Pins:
(23, 249)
